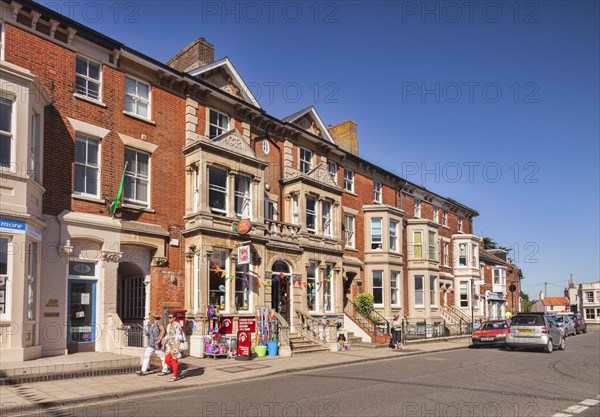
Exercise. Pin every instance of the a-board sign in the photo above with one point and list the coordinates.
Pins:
(243, 344)
(226, 325)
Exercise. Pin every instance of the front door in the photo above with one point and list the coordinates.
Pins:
(81, 324)
(280, 289)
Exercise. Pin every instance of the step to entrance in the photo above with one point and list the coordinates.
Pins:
(301, 345)
(77, 365)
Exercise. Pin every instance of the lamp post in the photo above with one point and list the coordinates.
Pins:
(512, 289)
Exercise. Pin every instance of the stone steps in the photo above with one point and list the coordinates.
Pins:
(301, 345)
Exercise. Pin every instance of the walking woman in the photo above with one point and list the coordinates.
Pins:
(397, 332)
(171, 346)
(156, 334)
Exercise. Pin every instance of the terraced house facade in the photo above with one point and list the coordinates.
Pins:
(222, 203)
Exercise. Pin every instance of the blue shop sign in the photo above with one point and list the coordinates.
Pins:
(11, 226)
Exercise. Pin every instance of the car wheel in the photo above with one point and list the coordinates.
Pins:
(563, 344)
(549, 346)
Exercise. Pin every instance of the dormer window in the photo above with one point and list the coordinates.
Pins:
(305, 160)
(218, 123)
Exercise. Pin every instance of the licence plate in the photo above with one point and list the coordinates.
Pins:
(525, 331)
(487, 339)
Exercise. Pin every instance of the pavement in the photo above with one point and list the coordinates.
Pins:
(196, 372)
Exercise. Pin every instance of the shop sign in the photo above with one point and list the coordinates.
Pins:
(247, 324)
(244, 256)
(11, 226)
(51, 302)
(243, 226)
(243, 344)
(34, 232)
(226, 325)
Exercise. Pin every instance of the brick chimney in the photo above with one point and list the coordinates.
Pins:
(195, 55)
(344, 135)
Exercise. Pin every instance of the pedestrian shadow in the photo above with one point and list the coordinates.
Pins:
(187, 370)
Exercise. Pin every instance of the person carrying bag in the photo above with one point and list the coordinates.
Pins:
(396, 342)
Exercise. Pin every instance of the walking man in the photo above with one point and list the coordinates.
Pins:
(156, 334)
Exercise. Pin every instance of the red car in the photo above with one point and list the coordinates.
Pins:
(491, 332)
(580, 325)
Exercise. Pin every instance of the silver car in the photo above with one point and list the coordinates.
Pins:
(535, 330)
(565, 321)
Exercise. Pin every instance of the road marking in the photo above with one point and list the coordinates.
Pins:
(576, 409)
(590, 403)
(562, 415)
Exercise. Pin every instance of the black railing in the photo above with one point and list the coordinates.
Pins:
(373, 322)
(136, 335)
(417, 330)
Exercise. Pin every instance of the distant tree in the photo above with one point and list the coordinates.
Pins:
(526, 303)
(488, 243)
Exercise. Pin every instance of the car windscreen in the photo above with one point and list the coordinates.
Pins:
(527, 321)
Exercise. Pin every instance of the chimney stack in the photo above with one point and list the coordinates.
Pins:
(197, 54)
(541, 295)
(344, 135)
(571, 283)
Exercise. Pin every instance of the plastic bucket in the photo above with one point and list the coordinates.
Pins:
(260, 350)
(272, 345)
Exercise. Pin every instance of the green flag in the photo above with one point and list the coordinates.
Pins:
(117, 201)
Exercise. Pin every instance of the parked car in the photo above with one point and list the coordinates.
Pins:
(580, 324)
(565, 321)
(491, 332)
(535, 330)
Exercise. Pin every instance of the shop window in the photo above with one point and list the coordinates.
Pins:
(218, 277)
(137, 177)
(311, 287)
(3, 275)
(87, 165)
(243, 287)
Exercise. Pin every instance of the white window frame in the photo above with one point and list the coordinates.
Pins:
(239, 288)
(349, 226)
(395, 288)
(218, 189)
(377, 242)
(35, 148)
(312, 213)
(89, 79)
(418, 245)
(138, 177)
(431, 246)
(219, 130)
(326, 216)
(421, 292)
(462, 253)
(417, 207)
(377, 188)
(197, 185)
(295, 209)
(10, 250)
(436, 215)
(10, 135)
(271, 204)
(348, 180)
(446, 253)
(460, 225)
(226, 281)
(312, 281)
(328, 289)
(463, 285)
(333, 170)
(589, 299)
(82, 137)
(380, 287)
(394, 246)
(245, 197)
(305, 160)
(444, 218)
(433, 294)
(137, 98)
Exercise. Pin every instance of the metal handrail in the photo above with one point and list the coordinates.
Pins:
(372, 326)
(136, 335)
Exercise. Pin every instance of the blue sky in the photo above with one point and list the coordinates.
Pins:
(494, 104)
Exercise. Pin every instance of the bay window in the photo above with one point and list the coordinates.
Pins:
(419, 295)
(462, 254)
(394, 236)
(311, 287)
(377, 284)
(376, 234)
(295, 210)
(431, 246)
(417, 244)
(464, 293)
(6, 132)
(395, 288)
(432, 290)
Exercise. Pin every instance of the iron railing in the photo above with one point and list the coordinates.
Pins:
(136, 335)
(374, 323)
(417, 330)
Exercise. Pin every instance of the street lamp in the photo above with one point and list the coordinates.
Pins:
(512, 289)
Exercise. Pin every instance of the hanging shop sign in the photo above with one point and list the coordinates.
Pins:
(244, 255)
(243, 226)
(226, 325)
(247, 324)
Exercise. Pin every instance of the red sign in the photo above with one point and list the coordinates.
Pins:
(226, 325)
(244, 226)
(247, 324)
(243, 344)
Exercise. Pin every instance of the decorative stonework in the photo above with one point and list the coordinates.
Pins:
(236, 142)
(110, 256)
(65, 250)
(160, 261)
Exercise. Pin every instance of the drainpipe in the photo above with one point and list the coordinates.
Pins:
(280, 182)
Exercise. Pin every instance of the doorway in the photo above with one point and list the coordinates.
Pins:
(348, 279)
(280, 289)
(81, 324)
(131, 294)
